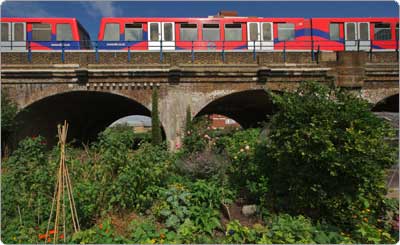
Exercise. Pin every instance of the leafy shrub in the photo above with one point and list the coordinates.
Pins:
(236, 233)
(137, 181)
(244, 171)
(102, 233)
(195, 205)
(288, 229)
(284, 229)
(26, 191)
(9, 110)
(197, 138)
(325, 154)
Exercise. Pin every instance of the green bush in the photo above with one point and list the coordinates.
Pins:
(137, 181)
(325, 155)
(284, 229)
(194, 205)
(27, 185)
(244, 171)
(9, 110)
(103, 233)
(197, 139)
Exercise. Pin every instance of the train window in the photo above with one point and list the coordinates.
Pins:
(154, 31)
(210, 32)
(64, 32)
(5, 32)
(350, 31)
(397, 31)
(111, 32)
(364, 31)
(133, 32)
(334, 33)
(253, 31)
(285, 31)
(168, 32)
(41, 32)
(267, 31)
(188, 32)
(382, 31)
(233, 32)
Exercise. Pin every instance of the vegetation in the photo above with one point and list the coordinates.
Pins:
(188, 121)
(9, 112)
(323, 153)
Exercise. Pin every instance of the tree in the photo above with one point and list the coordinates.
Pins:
(155, 121)
(325, 155)
(189, 124)
(9, 112)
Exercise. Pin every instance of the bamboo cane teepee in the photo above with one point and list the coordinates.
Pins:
(63, 183)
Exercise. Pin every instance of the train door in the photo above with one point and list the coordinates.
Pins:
(363, 35)
(19, 36)
(357, 36)
(164, 31)
(6, 36)
(260, 36)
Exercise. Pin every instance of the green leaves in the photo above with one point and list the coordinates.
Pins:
(324, 145)
(9, 111)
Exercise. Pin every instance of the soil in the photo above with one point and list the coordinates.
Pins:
(235, 211)
(120, 222)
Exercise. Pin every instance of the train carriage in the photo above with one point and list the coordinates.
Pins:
(355, 33)
(212, 33)
(220, 32)
(43, 34)
(249, 33)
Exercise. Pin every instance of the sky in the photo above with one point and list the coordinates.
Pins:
(89, 13)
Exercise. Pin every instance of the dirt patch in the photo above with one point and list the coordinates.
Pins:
(120, 222)
(235, 211)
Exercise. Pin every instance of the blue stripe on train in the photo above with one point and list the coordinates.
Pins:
(306, 32)
(377, 47)
(54, 44)
(117, 45)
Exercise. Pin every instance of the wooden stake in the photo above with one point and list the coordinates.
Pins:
(63, 182)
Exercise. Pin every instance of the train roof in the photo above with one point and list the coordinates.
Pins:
(39, 19)
(238, 18)
(183, 19)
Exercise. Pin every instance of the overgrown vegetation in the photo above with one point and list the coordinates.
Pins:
(9, 110)
(316, 174)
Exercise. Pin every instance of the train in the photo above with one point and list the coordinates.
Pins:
(43, 34)
(219, 32)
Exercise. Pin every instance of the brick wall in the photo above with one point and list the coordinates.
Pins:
(84, 58)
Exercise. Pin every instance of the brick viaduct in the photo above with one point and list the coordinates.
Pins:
(92, 93)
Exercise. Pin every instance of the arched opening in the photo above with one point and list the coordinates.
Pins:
(389, 104)
(222, 122)
(248, 108)
(141, 125)
(87, 112)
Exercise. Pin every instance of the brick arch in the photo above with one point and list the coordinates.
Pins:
(87, 111)
(197, 106)
(247, 107)
(376, 95)
(388, 104)
(37, 94)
